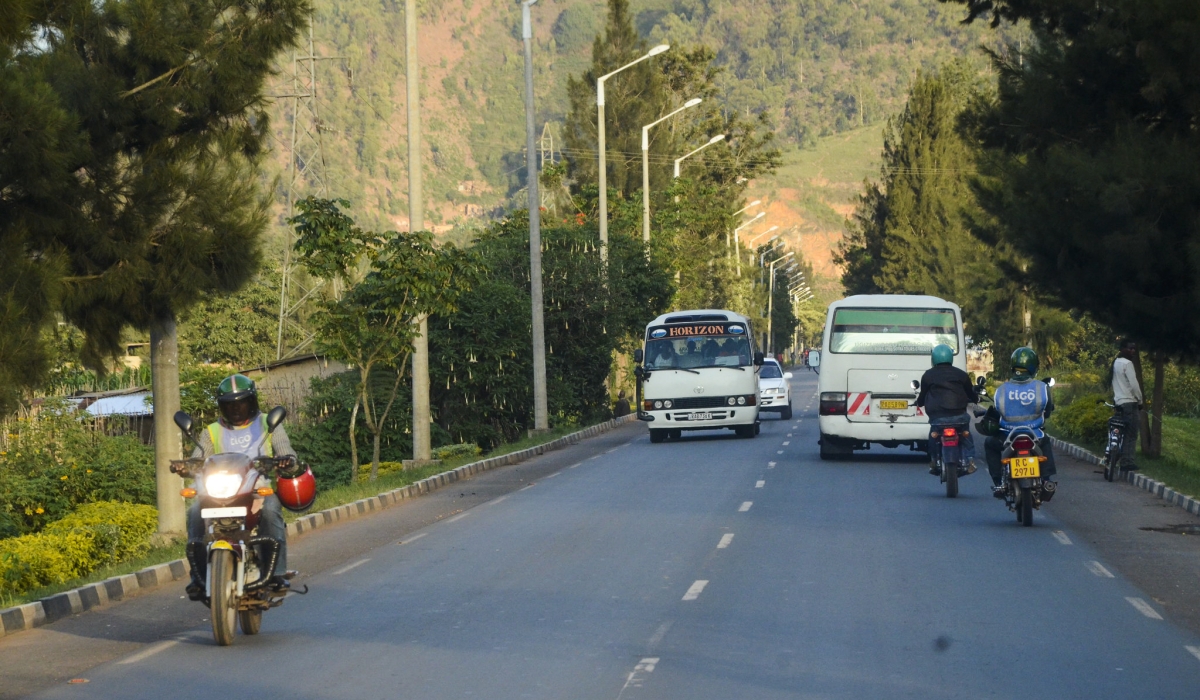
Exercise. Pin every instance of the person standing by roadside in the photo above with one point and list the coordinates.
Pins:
(622, 407)
(1127, 395)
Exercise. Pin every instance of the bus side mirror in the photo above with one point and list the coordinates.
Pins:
(275, 418)
(638, 356)
(814, 358)
(758, 359)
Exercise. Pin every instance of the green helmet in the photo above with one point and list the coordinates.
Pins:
(941, 355)
(1024, 363)
(237, 397)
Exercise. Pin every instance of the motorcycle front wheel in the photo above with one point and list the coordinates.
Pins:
(223, 570)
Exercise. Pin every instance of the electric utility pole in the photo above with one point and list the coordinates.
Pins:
(540, 407)
(422, 447)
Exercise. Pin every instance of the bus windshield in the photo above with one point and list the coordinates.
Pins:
(697, 351)
(892, 331)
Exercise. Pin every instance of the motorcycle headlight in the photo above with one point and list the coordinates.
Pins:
(222, 484)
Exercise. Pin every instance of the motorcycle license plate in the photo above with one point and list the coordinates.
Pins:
(237, 512)
(893, 405)
(699, 416)
(1025, 468)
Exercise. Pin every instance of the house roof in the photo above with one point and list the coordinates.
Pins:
(122, 405)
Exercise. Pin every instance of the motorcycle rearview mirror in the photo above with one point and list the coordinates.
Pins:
(915, 384)
(758, 359)
(980, 381)
(275, 418)
(638, 356)
(185, 423)
(1049, 381)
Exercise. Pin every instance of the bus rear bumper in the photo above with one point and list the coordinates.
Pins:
(840, 427)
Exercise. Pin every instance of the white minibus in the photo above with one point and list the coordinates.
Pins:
(698, 371)
(874, 346)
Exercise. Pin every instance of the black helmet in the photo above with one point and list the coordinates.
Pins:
(1024, 363)
(237, 398)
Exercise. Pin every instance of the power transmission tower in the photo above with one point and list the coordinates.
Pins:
(306, 175)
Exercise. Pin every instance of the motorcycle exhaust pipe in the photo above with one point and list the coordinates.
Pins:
(1048, 489)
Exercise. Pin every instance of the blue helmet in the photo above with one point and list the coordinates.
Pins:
(941, 355)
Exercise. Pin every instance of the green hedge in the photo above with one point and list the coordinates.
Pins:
(1085, 419)
(95, 535)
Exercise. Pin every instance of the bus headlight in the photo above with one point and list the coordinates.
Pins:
(731, 401)
(668, 403)
(741, 400)
(658, 404)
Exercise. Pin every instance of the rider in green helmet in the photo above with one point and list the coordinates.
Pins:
(946, 391)
(241, 428)
(1021, 402)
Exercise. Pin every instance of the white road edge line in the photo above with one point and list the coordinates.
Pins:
(355, 565)
(1144, 608)
(1061, 536)
(414, 538)
(726, 539)
(551, 476)
(528, 487)
(759, 484)
(745, 506)
(456, 518)
(494, 501)
(1194, 651)
(694, 592)
(1097, 568)
(574, 465)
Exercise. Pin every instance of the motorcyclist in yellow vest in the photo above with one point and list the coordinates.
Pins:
(242, 428)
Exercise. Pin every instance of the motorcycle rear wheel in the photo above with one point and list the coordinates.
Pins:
(1026, 507)
(950, 474)
(223, 570)
(250, 621)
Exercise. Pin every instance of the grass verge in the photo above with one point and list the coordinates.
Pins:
(327, 498)
(1179, 465)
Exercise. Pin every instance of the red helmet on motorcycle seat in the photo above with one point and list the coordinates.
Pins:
(297, 493)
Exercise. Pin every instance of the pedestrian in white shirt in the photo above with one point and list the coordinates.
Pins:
(1127, 395)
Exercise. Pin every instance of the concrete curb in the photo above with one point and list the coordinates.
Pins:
(72, 602)
(1138, 479)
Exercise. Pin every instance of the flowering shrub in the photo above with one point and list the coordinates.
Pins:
(52, 464)
(96, 535)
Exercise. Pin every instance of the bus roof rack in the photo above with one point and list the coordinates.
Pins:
(697, 318)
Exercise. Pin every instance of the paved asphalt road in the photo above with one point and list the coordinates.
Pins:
(714, 567)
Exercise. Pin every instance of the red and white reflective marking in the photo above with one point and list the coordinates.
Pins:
(858, 404)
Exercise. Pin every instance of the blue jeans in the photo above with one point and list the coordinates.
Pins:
(270, 524)
(966, 441)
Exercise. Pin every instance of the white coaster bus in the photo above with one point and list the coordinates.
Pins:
(874, 346)
(699, 371)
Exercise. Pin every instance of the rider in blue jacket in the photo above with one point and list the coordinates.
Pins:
(1021, 402)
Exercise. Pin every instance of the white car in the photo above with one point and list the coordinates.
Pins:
(774, 392)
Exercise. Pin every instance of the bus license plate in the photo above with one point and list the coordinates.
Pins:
(893, 405)
(1025, 468)
(237, 512)
(699, 416)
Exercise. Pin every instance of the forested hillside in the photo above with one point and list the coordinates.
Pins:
(816, 67)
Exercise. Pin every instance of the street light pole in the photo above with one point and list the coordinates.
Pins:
(771, 303)
(422, 444)
(540, 404)
(751, 241)
(646, 165)
(716, 139)
(737, 245)
(603, 175)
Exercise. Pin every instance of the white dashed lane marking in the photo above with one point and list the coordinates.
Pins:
(355, 565)
(657, 637)
(635, 679)
(779, 452)
(786, 443)
(1097, 568)
(745, 506)
(770, 465)
(1144, 608)
(726, 539)
(695, 590)
(759, 484)
(1194, 651)
(1061, 537)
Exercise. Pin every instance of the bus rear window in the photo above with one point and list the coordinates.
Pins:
(892, 331)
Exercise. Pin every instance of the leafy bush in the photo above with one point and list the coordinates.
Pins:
(1086, 419)
(96, 535)
(464, 449)
(51, 465)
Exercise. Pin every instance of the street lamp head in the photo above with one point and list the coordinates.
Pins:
(715, 139)
(755, 203)
(658, 49)
(692, 102)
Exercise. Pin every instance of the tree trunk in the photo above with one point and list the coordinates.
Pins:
(383, 420)
(1143, 416)
(168, 442)
(354, 440)
(1156, 406)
